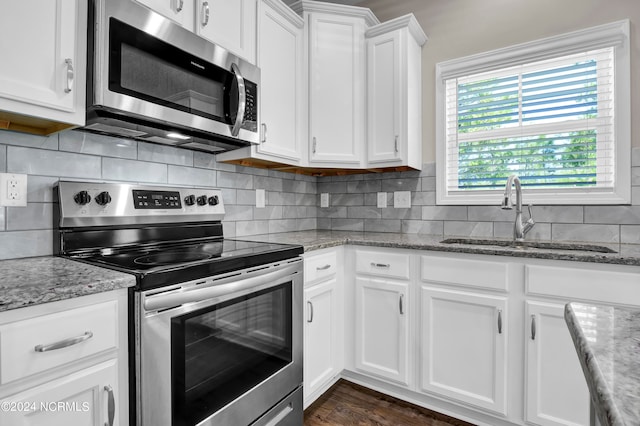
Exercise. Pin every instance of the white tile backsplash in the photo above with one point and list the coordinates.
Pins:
(190, 176)
(46, 162)
(91, 143)
(164, 154)
(133, 170)
(34, 216)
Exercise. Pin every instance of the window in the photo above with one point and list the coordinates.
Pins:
(554, 112)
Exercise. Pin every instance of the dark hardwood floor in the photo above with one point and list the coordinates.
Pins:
(349, 404)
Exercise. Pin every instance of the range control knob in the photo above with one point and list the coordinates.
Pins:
(213, 201)
(103, 198)
(82, 198)
(190, 200)
(202, 200)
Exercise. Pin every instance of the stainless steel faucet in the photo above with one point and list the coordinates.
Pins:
(519, 230)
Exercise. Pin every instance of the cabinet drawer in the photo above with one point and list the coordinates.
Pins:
(320, 266)
(605, 286)
(466, 272)
(383, 264)
(38, 344)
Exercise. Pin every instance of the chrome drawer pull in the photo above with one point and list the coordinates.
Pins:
(70, 75)
(111, 406)
(323, 268)
(205, 13)
(533, 327)
(310, 319)
(380, 265)
(179, 6)
(401, 304)
(64, 343)
(499, 321)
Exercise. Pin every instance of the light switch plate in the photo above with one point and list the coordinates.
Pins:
(402, 199)
(13, 190)
(324, 199)
(382, 200)
(260, 198)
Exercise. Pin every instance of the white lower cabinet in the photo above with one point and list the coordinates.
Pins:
(382, 328)
(556, 390)
(464, 347)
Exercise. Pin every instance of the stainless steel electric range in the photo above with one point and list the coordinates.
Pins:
(216, 324)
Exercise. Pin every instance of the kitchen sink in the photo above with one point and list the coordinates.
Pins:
(526, 245)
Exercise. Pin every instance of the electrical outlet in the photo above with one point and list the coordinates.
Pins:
(382, 200)
(13, 190)
(402, 199)
(260, 198)
(324, 199)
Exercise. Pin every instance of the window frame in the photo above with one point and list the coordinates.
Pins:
(615, 35)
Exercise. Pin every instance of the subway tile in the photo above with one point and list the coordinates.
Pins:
(468, 229)
(364, 212)
(323, 223)
(269, 184)
(347, 178)
(346, 224)
(253, 227)
(246, 197)
(306, 224)
(540, 231)
(3, 158)
(555, 214)
(382, 225)
(273, 173)
(33, 216)
(40, 189)
(428, 169)
(133, 171)
(252, 171)
(16, 244)
(228, 229)
(428, 183)
(627, 215)
(226, 167)
(490, 213)
(585, 232)
(298, 212)
(180, 175)
(300, 187)
(332, 187)
(288, 198)
(304, 200)
(630, 234)
(414, 213)
(333, 212)
(52, 163)
(306, 178)
(635, 157)
(424, 227)
(409, 184)
(29, 141)
(268, 212)
(204, 160)
(364, 186)
(635, 176)
(157, 153)
(237, 212)
(444, 213)
(229, 196)
(347, 199)
(635, 195)
(94, 144)
(234, 180)
(423, 198)
(2, 218)
(282, 225)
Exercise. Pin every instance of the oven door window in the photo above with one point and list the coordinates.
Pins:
(221, 352)
(147, 68)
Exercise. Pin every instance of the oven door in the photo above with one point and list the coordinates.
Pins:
(223, 350)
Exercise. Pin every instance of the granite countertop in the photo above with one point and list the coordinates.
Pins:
(627, 254)
(37, 280)
(607, 340)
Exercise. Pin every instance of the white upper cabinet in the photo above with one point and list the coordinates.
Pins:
(394, 88)
(229, 23)
(42, 77)
(282, 107)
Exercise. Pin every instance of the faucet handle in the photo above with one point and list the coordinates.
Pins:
(529, 206)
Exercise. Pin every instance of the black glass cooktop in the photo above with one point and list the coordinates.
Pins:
(166, 264)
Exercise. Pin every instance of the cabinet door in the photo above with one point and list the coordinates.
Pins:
(336, 89)
(321, 348)
(179, 11)
(85, 398)
(382, 328)
(384, 99)
(42, 67)
(556, 390)
(464, 343)
(229, 23)
(280, 62)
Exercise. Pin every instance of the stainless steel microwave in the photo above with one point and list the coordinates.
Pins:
(150, 79)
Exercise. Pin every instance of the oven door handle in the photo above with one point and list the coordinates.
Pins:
(216, 289)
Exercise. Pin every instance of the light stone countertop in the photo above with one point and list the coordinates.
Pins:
(607, 340)
(627, 254)
(36, 280)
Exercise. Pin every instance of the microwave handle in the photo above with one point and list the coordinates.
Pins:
(242, 101)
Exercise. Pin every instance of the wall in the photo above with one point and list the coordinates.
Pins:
(75, 155)
(458, 28)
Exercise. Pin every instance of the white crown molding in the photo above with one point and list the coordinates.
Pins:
(338, 9)
(286, 12)
(408, 21)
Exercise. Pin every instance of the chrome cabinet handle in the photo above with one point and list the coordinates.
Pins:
(395, 144)
(264, 132)
(380, 265)
(499, 321)
(242, 101)
(64, 343)
(533, 327)
(277, 419)
(401, 304)
(179, 6)
(70, 75)
(111, 406)
(310, 318)
(205, 13)
(323, 268)
(314, 145)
